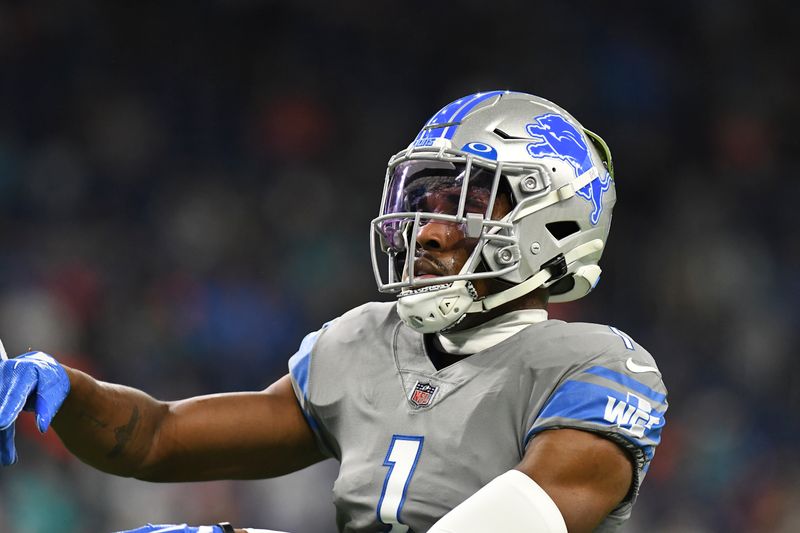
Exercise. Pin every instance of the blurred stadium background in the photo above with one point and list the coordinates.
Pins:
(186, 187)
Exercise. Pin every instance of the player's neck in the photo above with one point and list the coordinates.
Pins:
(439, 358)
(480, 331)
(489, 334)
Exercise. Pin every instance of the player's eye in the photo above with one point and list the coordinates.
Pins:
(477, 200)
(415, 199)
(433, 200)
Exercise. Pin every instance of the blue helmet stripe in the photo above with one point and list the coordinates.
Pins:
(464, 110)
(453, 112)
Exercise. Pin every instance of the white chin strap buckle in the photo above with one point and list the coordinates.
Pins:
(435, 307)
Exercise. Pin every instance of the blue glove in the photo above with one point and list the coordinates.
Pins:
(179, 528)
(33, 382)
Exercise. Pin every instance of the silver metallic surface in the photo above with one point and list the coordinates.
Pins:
(536, 163)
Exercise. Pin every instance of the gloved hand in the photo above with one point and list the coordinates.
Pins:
(177, 528)
(33, 382)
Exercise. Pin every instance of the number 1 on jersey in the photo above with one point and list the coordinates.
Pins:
(401, 459)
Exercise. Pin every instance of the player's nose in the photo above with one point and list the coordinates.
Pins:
(439, 235)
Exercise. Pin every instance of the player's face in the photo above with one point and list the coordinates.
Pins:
(443, 247)
(435, 190)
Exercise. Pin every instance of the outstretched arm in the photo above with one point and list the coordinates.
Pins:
(124, 431)
(246, 435)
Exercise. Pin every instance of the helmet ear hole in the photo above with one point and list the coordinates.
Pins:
(562, 229)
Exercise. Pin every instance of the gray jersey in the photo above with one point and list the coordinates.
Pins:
(414, 441)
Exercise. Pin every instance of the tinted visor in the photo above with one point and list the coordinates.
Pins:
(433, 188)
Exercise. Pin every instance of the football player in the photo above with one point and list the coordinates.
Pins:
(459, 408)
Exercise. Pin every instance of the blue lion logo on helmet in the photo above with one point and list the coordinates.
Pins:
(553, 136)
(594, 193)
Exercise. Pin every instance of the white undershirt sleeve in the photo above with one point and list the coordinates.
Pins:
(511, 503)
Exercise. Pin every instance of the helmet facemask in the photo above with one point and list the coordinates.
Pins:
(451, 187)
(448, 186)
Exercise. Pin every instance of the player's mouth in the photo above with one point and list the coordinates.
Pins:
(426, 267)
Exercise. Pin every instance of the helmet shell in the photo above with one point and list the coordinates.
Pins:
(536, 140)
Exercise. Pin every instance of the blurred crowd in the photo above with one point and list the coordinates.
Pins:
(186, 189)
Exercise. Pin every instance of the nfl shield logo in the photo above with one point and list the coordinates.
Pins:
(423, 394)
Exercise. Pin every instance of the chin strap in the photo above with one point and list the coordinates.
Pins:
(437, 308)
(535, 281)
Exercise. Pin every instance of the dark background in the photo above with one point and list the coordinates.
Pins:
(186, 189)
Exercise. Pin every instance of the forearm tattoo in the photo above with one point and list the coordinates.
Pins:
(123, 434)
(96, 422)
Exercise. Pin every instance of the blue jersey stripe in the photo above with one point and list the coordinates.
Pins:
(589, 403)
(299, 367)
(299, 363)
(580, 400)
(627, 381)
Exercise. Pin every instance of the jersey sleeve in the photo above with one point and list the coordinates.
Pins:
(618, 394)
(300, 373)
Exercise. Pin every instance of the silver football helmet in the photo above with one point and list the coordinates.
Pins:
(559, 180)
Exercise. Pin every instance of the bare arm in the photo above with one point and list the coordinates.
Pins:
(586, 475)
(124, 431)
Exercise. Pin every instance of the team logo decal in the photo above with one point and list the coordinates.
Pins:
(553, 136)
(594, 193)
(634, 415)
(481, 149)
(423, 394)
